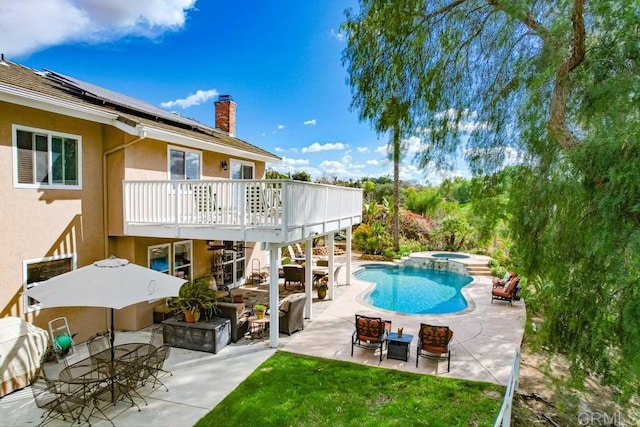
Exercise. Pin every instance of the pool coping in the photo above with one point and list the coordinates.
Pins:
(361, 297)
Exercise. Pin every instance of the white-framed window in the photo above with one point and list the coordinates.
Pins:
(233, 263)
(241, 169)
(159, 256)
(43, 158)
(159, 259)
(41, 269)
(184, 164)
(182, 259)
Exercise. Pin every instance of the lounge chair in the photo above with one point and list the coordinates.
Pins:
(433, 343)
(370, 333)
(295, 257)
(507, 293)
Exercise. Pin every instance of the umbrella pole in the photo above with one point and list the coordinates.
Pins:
(113, 357)
(113, 336)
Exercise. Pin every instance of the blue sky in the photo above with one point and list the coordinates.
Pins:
(280, 61)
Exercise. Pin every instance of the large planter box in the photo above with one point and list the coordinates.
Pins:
(210, 336)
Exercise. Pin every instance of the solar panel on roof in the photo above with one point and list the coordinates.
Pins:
(123, 100)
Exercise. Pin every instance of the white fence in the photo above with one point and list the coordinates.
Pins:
(504, 417)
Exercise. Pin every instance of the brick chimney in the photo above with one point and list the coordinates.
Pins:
(226, 114)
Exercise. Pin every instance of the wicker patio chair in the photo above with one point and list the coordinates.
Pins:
(291, 314)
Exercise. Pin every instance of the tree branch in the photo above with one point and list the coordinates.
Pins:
(527, 19)
(557, 125)
(444, 9)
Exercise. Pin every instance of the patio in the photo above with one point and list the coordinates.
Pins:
(486, 336)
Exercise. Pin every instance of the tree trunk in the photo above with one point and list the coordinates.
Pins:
(396, 188)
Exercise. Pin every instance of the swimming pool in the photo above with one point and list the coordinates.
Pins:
(414, 290)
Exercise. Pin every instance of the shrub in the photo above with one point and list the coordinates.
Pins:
(415, 227)
(371, 240)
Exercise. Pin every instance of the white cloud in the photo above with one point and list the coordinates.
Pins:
(280, 127)
(338, 35)
(295, 162)
(289, 165)
(311, 122)
(89, 21)
(381, 149)
(346, 159)
(372, 162)
(340, 170)
(279, 150)
(331, 164)
(200, 97)
(315, 147)
(362, 149)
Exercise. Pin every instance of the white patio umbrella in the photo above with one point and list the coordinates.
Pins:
(112, 283)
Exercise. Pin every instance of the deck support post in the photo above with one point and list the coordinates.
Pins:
(274, 297)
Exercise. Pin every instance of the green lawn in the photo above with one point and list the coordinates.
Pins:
(295, 390)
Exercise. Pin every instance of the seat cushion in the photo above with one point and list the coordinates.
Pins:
(367, 338)
(435, 350)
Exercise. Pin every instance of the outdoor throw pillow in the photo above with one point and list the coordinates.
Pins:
(284, 305)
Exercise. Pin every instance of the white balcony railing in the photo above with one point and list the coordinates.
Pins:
(258, 210)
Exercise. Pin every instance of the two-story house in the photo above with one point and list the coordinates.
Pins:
(86, 173)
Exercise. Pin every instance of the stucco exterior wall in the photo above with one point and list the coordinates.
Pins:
(38, 223)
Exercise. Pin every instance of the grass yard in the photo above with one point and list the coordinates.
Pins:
(294, 390)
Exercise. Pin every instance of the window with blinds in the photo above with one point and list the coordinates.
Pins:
(46, 159)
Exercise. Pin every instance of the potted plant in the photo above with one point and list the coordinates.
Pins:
(195, 299)
(259, 310)
(323, 287)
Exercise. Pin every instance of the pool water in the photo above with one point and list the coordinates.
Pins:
(415, 290)
(450, 256)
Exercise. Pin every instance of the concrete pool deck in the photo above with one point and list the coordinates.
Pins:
(485, 340)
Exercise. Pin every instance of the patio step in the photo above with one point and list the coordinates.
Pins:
(479, 270)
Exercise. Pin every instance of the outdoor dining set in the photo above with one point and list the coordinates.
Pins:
(109, 375)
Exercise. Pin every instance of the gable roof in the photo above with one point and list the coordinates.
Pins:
(62, 94)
